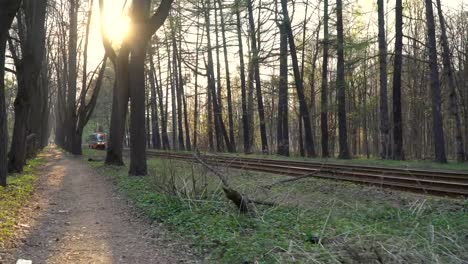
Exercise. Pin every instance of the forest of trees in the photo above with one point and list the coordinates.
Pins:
(315, 78)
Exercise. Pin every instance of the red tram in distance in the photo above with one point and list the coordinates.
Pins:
(97, 141)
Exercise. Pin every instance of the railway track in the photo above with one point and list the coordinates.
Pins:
(435, 182)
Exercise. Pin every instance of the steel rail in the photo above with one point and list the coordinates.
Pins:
(436, 182)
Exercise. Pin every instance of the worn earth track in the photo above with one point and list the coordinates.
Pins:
(75, 216)
(436, 182)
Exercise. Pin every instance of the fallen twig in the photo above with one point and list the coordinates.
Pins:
(240, 200)
(269, 186)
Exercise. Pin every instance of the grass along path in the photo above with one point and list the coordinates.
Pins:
(319, 221)
(15, 195)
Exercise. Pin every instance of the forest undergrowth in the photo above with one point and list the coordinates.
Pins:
(14, 196)
(316, 220)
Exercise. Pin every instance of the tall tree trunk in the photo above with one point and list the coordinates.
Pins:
(164, 118)
(156, 137)
(304, 109)
(81, 112)
(136, 69)
(178, 85)
(397, 115)
(454, 109)
(195, 112)
(256, 69)
(437, 123)
(209, 109)
(219, 87)
(147, 115)
(324, 90)
(119, 110)
(245, 114)
(384, 123)
(218, 117)
(182, 94)
(172, 79)
(283, 124)
(218, 133)
(72, 79)
(228, 79)
(313, 69)
(8, 11)
(60, 105)
(341, 85)
(27, 72)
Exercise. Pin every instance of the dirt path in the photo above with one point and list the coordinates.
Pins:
(75, 216)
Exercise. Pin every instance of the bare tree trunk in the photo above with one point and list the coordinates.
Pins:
(324, 90)
(143, 27)
(27, 71)
(454, 109)
(8, 11)
(341, 85)
(147, 115)
(170, 69)
(437, 123)
(182, 94)
(304, 109)
(178, 85)
(119, 109)
(384, 123)
(219, 124)
(196, 112)
(164, 118)
(72, 79)
(245, 114)
(283, 124)
(397, 115)
(156, 137)
(228, 79)
(258, 87)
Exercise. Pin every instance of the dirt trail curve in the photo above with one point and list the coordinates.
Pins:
(75, 216)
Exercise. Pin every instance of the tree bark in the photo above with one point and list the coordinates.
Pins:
(218, 118)
(178, 85)
(164, 135)
(136, 70)
(156, 137)
(228, 79)
(448, 71)
(119, 109)
(71, 142)
(27, 72)
(8, 9)
(384, 123)
(256, 69)
(245, 114)
(437, 123)
(283, 125)
(397, 115)
(324, 90)
(304, 109)
(341, 85)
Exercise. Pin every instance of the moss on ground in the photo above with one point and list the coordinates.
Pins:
(319, 221)
(15, 195)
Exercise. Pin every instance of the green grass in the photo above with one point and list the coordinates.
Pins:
(15, 195)
(354, 224)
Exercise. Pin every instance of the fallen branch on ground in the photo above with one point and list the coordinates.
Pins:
(240, 200)
(269, 186)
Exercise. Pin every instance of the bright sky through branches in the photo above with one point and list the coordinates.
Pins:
(117, 23)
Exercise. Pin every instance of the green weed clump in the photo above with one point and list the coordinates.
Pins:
(319, 221)
(14, 196)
